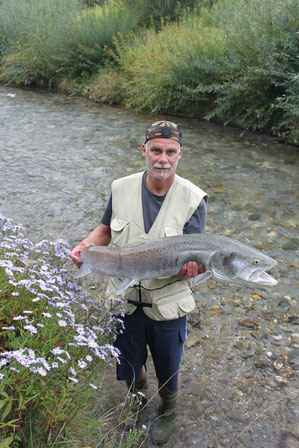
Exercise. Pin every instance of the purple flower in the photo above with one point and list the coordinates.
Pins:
(30, 328)
(73, 379)
(62, 323)
(82, 364)
(42, 371)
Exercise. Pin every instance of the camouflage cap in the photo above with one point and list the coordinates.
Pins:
(164, 129)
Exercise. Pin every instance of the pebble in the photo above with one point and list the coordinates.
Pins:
(248, 323)
(291, 245)
(238, 417)
(191, 341)
(293, 356)
(291, 392)
(261, 363)
(281, 380)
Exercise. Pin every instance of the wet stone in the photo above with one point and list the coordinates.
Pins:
(191, 341)
(238, 417)
(254, 217)
(291, 245)
(293, 356)
(291, 392)
(261, 363)
(248, 323)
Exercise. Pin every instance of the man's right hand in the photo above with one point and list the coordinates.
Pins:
(76, 252)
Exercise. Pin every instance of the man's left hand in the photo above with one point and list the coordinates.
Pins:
(191, 269)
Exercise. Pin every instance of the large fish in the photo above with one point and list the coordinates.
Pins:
(224, 258)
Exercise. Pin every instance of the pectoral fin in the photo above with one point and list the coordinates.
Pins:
(84, 270)
(200, 278)
(125, 284)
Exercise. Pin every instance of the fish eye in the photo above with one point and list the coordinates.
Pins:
(256, 262)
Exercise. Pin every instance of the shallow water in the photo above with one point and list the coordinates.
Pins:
(58, 157)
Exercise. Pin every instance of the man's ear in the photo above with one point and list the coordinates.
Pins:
(143, 149)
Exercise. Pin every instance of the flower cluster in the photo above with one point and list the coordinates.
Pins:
(57, 325)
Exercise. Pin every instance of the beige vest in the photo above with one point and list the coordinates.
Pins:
(169, 301)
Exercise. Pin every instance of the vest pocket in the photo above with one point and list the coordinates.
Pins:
(173, 307)
(119, 230)
(172, 231)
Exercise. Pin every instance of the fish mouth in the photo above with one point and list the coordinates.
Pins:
(262, 278)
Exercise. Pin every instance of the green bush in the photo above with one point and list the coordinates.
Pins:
(44, 40)
(235, 62)
(260, 42)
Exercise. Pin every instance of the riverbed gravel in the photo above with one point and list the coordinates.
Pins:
(239, 377)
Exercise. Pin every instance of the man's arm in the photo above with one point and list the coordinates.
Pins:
(101, 236)
(196, 224)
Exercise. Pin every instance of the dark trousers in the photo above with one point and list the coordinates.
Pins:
(165, 340)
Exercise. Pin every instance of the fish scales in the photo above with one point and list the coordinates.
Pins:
(225, 258)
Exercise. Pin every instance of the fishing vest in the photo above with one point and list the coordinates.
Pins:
(170, 299)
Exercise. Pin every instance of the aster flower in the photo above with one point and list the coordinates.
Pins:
(42, 371)
(30, 328)
(62, 323)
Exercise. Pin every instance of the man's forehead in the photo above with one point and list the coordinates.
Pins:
(163, 143)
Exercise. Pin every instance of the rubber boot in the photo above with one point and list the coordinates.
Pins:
(163, 426)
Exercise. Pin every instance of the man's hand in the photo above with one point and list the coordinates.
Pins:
(191, 269)
(76, 252)
(101, 236)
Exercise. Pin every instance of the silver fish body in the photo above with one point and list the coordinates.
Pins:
(224, 258)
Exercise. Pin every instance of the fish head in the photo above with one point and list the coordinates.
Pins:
(243, 265)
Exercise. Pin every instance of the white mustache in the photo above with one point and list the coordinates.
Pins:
(161, 165)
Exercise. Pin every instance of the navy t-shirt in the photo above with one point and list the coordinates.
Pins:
(151, 204)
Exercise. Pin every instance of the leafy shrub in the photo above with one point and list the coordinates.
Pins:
(260, 41)
(235, 62)
(46, 39)
(159, 65)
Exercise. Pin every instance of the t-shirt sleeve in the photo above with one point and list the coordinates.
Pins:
(197, 222)
(106, 218)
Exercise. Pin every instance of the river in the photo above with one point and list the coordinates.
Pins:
(58, 157)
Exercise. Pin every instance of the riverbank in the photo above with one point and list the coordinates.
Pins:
(233, 62)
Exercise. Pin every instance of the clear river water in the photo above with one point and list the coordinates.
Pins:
(58, 157)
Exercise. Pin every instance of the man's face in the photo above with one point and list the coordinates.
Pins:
(161, 157)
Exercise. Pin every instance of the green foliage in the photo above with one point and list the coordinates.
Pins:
(153, 12)
(46, 39)
(260, 42)
(55, 341)
(235, 62)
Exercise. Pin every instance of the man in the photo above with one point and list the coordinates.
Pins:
(156, 203)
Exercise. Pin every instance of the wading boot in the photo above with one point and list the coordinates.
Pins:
(163, 426)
